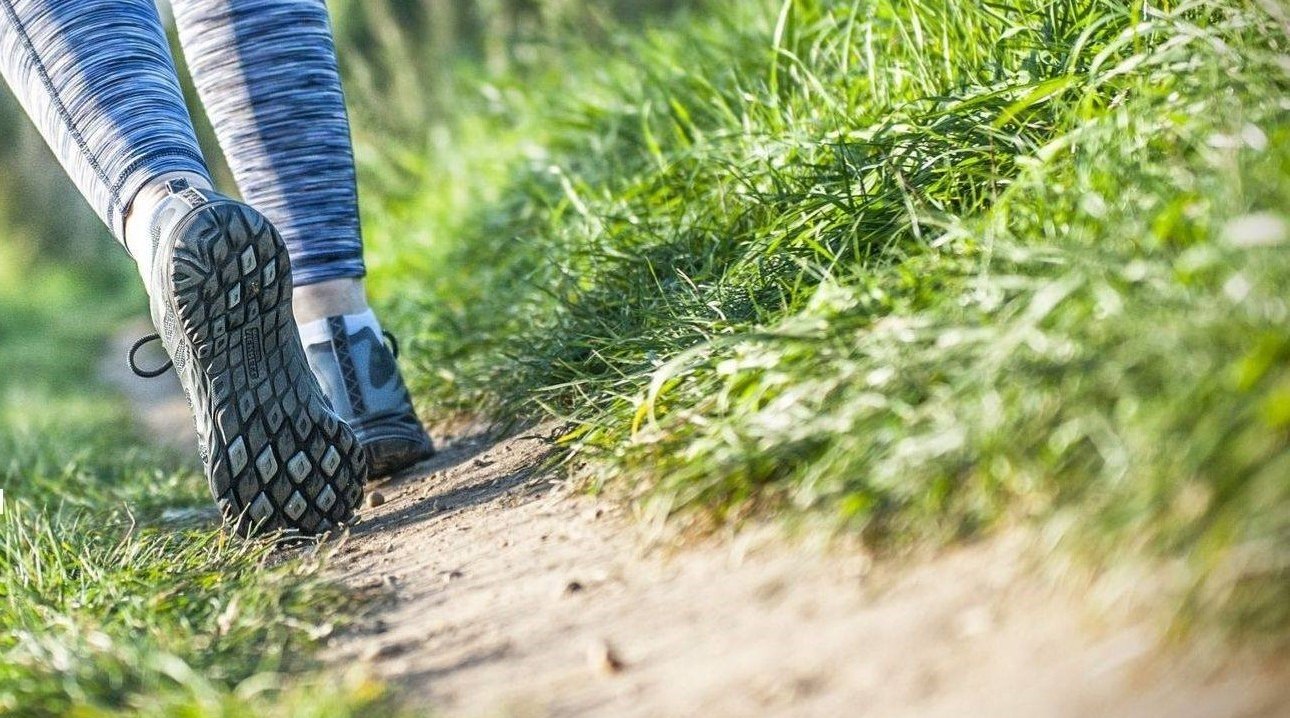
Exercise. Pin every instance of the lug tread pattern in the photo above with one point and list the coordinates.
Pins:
(277, 456)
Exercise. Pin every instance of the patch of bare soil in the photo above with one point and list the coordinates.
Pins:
(502, 592)
(510, 595)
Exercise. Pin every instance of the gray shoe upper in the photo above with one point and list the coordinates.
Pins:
(175, 207)
(359, 374)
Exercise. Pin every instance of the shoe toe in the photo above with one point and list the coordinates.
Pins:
(390, 454)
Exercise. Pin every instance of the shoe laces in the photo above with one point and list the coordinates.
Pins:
(133, 359)
(393, 343)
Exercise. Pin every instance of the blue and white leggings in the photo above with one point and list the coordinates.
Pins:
(97, 78)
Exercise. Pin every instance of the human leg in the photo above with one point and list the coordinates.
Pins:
(267, 74)
(97, 79)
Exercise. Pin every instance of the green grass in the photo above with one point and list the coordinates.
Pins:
(926, 269)
(106, 606)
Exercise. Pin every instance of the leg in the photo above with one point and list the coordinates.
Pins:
(98, 79)
(266, 71)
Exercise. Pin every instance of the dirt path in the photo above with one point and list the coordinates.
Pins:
(501, 592)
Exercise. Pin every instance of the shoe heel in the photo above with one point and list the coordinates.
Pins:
(277, 456)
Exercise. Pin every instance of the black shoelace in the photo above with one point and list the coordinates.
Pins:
(133, 361)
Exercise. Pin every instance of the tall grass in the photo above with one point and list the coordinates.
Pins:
(926, 268)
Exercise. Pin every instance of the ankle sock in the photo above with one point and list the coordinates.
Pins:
(332, 298)
(320, 330)
(142, 217)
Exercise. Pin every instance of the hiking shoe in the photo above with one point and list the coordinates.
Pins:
(361, 377)
(277, 455)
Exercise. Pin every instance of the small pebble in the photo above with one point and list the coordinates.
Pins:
(603, 658)
(376, 498)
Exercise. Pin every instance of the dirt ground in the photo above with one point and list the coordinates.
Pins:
(499, 591)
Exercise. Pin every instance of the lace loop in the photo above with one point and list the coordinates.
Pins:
(394, 343)
(134, 363)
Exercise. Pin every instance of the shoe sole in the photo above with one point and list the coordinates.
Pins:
(278, 457)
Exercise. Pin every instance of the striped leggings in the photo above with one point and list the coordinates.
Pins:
(98, 80)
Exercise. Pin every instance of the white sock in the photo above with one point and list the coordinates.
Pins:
(138, 220)
(333, 298)
(317, 331)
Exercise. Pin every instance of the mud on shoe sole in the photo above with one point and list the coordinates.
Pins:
(277, 456)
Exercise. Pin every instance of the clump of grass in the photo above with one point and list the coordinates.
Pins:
(925, 268)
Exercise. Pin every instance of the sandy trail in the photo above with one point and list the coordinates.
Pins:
(499, 591)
